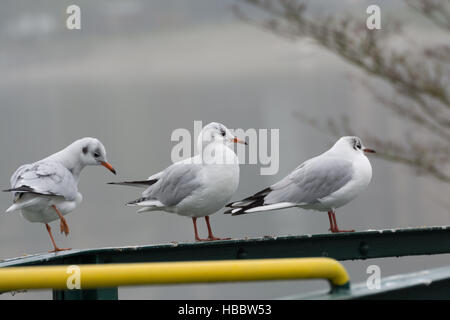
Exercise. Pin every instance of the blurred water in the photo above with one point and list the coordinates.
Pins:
(137, 71)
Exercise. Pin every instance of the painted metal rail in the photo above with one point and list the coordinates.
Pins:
(131, 274)
(346, 246)
(431, 284)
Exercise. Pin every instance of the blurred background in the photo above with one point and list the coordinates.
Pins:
(139, 69)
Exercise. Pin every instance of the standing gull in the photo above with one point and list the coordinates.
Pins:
(47, 190)
(198, 186)
(323, 183)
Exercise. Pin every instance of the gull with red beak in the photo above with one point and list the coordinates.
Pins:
(198, 186)
(322, 183)
(47, 190)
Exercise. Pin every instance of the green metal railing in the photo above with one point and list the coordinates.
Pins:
(426, 284)
(345, 246)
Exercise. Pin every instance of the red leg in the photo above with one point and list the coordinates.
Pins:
(53, 240)
(64, 227)
(210, 234)
(336, 229)
(197, 238)
(332, 227)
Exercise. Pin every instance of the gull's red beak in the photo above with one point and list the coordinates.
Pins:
(369, 150)
(236, 140)
(108, 166)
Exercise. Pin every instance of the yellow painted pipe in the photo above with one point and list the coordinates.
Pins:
(129, 274)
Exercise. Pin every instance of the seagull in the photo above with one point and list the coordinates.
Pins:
(47, 190)
(198, 186)
(322, 183)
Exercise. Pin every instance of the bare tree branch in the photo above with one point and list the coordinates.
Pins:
(419, 79)
(437, 11)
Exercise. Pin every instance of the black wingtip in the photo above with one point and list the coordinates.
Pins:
(137, 201)
(237, 213)
(23, 188)
(135, 183)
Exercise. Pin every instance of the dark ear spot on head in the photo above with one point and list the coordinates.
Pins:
(85, 150)
(356, 144)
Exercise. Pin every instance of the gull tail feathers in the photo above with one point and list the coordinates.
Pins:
(18, 205)
(13, 208)
(147, 204)
(148, 209)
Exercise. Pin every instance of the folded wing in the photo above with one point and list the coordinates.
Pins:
(174, 184)
(44, 178)
(312, 181)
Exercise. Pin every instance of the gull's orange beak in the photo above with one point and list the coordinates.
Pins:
(108, 166)
(236, 140)
(369, 150)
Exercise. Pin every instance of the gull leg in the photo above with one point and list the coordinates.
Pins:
(56, 249)
(197, 238)
(330, 218)
(210, 234)
(64, 227)
(336, 229)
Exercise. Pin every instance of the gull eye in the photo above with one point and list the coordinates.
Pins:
(96, 155)
(222, 132)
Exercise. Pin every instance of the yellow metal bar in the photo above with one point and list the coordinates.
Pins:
(129, 274)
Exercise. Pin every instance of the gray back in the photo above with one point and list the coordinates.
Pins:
(312, 181)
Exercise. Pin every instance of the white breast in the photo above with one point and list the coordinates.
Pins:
(362, 174)
(220, 181)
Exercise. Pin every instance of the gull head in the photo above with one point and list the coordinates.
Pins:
(215, 132)
(91, 152)
(351, 144)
